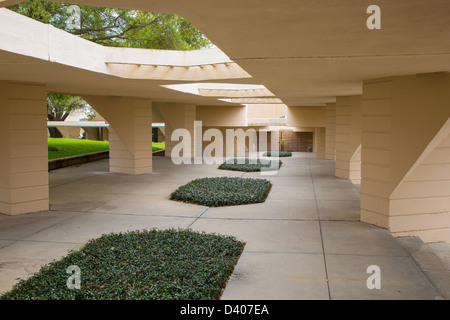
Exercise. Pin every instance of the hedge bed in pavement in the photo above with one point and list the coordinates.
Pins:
(151, 264)
(250, 165)
(223, 191)
(278, 154)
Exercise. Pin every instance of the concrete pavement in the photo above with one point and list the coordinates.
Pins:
(304, 242)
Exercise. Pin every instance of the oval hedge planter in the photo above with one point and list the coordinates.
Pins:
(223, 191)
(139, 265)
(250, 165)
(278, 154)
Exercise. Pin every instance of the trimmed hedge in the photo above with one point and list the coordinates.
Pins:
(250, 165)
(152, 265)
(278, 154)
(223, 191)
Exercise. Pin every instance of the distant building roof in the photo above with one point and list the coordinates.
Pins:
(88, 124)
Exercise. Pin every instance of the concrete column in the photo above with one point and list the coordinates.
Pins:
(189, 118)
(330, 123)
(130, 132)
(406, 155)
(348, 138)
(319, 142)
(169, 144)
(24, 152)
(178, 116)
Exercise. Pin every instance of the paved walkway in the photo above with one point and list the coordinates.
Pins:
(304, 242)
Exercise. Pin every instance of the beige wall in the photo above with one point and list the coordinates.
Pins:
(178, 116)
(309, 119)
(330, 135)
(130, 132)
(156, 114)
(266, 110)
(305, 116)
(93, 133)
(348, 138)
(69, 132)
(319, 142)
(24, 155)
(406, 155)
(220, 116)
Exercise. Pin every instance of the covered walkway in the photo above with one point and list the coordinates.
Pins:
(304, 242)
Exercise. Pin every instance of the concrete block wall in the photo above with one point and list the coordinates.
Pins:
(330, 123)
(178, 116)
(319, 142)
(376, 155)
(23, 141)
(406, 155)
(130, 132)
(348, 138)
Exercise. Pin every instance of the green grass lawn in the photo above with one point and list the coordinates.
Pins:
(158, 146)
(61, 148)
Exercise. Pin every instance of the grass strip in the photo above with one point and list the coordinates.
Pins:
(63, 147)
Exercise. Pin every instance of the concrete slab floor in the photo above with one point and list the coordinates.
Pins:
(304, 242)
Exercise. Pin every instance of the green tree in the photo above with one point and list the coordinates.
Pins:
(59, 107)
(118, 27)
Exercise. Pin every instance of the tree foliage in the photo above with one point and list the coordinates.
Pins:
(59, 107)
(118, 27)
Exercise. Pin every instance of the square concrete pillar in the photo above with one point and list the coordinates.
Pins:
(348, 138)
(330, 123)
(406, 155)
(179, 116)
(319, 142)
(24, 151)
(169, 144)
(189, 118)
(130, 132)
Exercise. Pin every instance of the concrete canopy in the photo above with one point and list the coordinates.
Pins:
(305, 52)
(34, 52)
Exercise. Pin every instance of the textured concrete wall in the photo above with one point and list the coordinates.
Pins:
(319, 142)
(24, 155)
(130, 132)
(406, 155)
(330, 123)
(348, 138)
(305, 116)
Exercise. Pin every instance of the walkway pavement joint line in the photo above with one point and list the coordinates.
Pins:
(27, 236)
(202, 212)
(72, 181)
(137, 214)
(321, 235)
(263, 219)
(48, 241)
(198, 216)
(283, 252)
